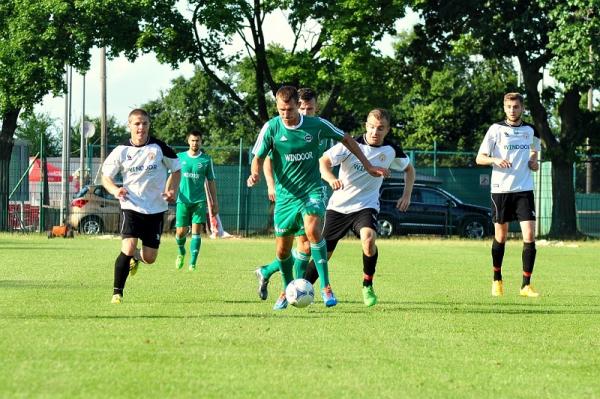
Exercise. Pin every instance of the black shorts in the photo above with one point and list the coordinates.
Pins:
(338, 224)
(147, 227)
(507, 207)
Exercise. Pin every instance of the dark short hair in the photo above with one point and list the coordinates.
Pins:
(287, 94)
(138, 112)
(196, 133)
(307, 94)
(514, 96)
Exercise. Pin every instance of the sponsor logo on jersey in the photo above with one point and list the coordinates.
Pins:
(358, 166)
(298, 157)
(142, 168)
(308, 138)
(191, 175)
(516, 147)
(283, 138)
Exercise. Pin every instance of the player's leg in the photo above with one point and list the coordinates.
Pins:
(365, 223)
(501, 214)
(498, 246)
(318, 250)
(526, 216)
(198, 217)
(336, 227)
(286, 263)
(150, 236)
(182, 221)
(301, 255)
(122, 264)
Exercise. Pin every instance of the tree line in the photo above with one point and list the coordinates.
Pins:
(444, 81)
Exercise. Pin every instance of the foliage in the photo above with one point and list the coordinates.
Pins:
(198, 103)
(33, 126)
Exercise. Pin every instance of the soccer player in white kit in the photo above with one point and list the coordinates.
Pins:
(143, 162)
(511, 147)
(354, 204)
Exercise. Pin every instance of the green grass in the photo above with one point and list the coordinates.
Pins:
(436, 333)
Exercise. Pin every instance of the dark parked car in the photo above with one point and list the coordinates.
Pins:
(432, 211)
(95, 211)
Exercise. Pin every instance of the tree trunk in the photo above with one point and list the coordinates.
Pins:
(9, 125)
(564, 217)
(564, 221)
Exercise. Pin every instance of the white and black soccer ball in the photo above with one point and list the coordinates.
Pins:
(300, 293)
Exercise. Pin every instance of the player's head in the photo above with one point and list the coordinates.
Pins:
(138, 122)
(308, 101)
(194, 140)
(287, 105)
(377, 126)
(513, 107)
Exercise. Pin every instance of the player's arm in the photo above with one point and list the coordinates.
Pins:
(170, 194)
(269, 179)
(255, 168)
(326, 168)
(533, 161)
(353, 147)
(118, 192)
(485, 160)
(212, 192)
(409, 181)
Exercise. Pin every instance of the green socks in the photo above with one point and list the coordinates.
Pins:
(319, 254)
(286, 266)
(180, 245)
(300, 263)
(195, 248)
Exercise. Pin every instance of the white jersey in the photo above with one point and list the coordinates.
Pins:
(513, 143)
(144, 170)
(361, 190)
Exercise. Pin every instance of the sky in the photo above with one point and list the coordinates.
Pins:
(131, 84)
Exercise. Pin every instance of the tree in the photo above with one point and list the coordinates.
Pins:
(198, 103)
(40, 37)
(330, 46)
(33, 126)
(450, 102)
(532, 32)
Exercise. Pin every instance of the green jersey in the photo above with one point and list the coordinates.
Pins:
(295, 153)
(194, 170)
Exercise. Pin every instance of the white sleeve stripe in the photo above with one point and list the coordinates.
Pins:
(259, 139)
(333, 127)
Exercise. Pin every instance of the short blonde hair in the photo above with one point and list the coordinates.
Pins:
(138, 112)
(379, 114)
(513, 96)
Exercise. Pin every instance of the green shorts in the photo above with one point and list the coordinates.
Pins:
(290, 212)
(188, 214)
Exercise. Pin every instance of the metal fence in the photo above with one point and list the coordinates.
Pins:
(246, 212)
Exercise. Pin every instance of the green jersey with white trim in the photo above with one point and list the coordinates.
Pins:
(295, 153)
(194, 170)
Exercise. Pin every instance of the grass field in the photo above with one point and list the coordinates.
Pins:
(436, 333)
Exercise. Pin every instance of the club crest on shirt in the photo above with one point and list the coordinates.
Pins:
(151, 156)
(381, 157)
(308, 138)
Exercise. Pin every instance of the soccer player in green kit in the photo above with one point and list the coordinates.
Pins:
(307, 106)
(293, 140)
(196, 167)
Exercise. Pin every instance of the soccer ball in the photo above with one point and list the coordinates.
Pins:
(300, 293)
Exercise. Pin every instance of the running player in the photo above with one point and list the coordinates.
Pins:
(143, 162)
(308, 107)
(354, 204)
(512, 147)
(196, 167)
(293, 140)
